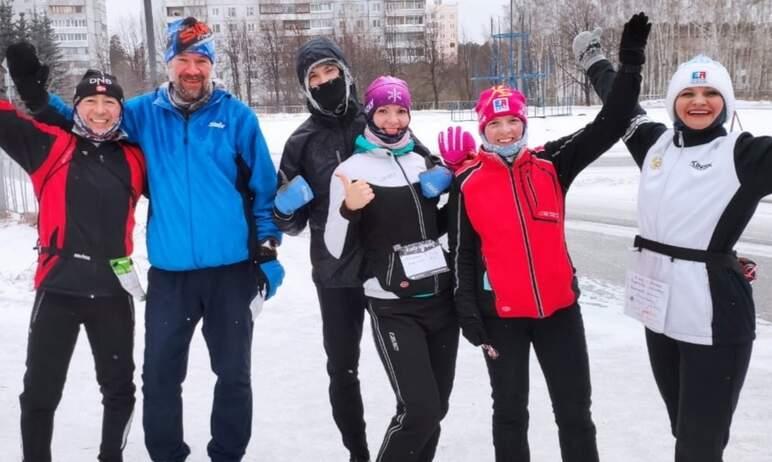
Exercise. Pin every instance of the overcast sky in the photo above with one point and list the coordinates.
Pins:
(474, 15)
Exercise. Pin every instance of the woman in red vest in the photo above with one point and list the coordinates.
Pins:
(87, 181)
(514, 281)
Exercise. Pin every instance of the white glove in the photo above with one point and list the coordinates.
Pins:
(587, 49)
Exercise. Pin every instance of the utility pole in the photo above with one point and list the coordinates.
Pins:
(150, 32)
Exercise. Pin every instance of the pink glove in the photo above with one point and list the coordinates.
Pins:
(456, 145)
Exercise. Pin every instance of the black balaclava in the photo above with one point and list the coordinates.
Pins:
(331, 95)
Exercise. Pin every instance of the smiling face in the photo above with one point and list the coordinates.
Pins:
(698, 107)
(99, 112)
(504, 130)
(190, 72)
(391, 118)
(322, 73)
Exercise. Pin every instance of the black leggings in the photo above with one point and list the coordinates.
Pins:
(343, 314)
(561, 349)
(417, 340)
(701, 386)
(56, 320)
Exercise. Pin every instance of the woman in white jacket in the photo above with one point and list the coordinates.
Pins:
(699, 187)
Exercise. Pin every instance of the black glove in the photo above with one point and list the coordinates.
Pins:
(474, 331)
(634, 37)
(29, 75)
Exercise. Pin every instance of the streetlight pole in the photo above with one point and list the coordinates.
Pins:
(150, 32)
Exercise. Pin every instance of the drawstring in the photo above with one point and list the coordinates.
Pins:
(736, 117)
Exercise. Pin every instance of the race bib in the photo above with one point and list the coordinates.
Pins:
(127, 276)
(646, 300)
(422, 259)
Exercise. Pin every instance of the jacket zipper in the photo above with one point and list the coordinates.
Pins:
(389, 269)
(421, 222)
(531, 269)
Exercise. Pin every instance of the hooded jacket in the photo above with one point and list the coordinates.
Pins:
(314, 151)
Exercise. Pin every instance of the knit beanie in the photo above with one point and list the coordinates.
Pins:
(386, 90)
(497, 101)
(701, 71)
(190, 35)
(97, 83)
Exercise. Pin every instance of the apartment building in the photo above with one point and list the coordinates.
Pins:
(398, 24)
(442, 20)
(81, 30)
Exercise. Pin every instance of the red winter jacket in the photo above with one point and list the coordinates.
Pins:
(86, 195)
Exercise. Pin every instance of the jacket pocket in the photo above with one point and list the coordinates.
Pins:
(541, 189)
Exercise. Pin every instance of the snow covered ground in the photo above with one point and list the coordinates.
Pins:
(292, 420)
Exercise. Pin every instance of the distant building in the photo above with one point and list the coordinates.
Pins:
(443, 20)
(81, 30)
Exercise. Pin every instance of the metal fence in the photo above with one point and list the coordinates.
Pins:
(16, 193)
(464, 110)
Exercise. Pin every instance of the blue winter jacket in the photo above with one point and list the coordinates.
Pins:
(197, 215)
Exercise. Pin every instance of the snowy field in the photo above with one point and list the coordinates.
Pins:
(292, 420)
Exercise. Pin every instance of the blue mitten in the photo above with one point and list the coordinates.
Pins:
(435, 181)
(293, 195)
(272, 277)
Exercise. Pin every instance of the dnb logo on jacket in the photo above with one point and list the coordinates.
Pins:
(699, 77)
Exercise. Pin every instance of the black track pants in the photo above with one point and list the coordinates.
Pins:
(417, 340)
(56, 320)
(561, 349)
(701, 386)
(343, 313)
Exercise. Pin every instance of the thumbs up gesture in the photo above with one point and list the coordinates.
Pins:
(357, 193)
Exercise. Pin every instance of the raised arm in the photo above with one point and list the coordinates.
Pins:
(641, 132)
(28, 142)
(572, 153)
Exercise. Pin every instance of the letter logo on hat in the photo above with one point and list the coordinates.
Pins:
(699, 77)
(500, 105)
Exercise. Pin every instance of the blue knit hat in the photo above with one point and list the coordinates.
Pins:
(190, 35)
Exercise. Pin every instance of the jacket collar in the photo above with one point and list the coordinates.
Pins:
(162, 99)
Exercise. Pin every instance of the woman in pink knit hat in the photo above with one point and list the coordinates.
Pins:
(515, 285)
(384, 199)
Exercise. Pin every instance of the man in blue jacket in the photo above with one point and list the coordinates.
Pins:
(210, 236)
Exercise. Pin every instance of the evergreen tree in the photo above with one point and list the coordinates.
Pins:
(41, 34)
(21, 28)
(7, 32)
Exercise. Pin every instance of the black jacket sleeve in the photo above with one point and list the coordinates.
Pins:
(289, 167)
(641, 132)
(464, 245)
(27, 141)
(572, 153)
(753, 162)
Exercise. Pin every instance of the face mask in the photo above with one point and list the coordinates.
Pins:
(330, 95)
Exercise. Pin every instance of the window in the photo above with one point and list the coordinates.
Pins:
(251, 27)
(215, 12)
(65, 9)
(233, 27)
(232, 12)
(216, 28)
(176, 11)
(250, 11)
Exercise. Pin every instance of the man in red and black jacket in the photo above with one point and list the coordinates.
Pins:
(87, 182)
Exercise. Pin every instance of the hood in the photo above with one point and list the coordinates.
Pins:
(322, 49)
